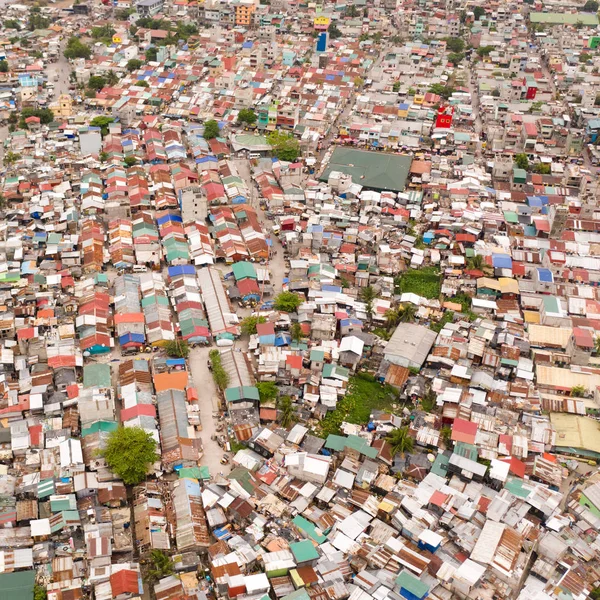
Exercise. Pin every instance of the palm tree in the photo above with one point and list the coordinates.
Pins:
(476, 262)
(407, 313)
(392, 317)
(578, 391)
(400, 441)
(286, 411)
(368, 294)
(160, 566)
(597, 346)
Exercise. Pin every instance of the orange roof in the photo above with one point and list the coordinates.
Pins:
(171, 381)
(129, 318)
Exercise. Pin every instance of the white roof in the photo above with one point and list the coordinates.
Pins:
(352, 344)
(39, 527)
(470, 572)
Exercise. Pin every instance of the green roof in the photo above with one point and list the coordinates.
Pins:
(317, 355)
(511, 216)
(246, 392)
(373, 170)
(440, 465)
(243, 477)
(243, 270)
(45, 488)
(304, 551)
(299, 594)
(107, 426)
(194, 473)
(515, 486)
(339, 443)
(309, 529)
(17, 586)
(555, 18)
(550, 304)
(97, 375)
(519, 175)
(411, 584)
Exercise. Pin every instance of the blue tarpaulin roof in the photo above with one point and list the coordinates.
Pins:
(175, 362)
(501, 261)
(545, 275)
(169, 217)
(283, 339)
(128, 338)
(181, 270)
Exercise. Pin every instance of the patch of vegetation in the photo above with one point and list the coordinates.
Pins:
(77, 49)
(448, 317)
(45, 115)
(284, 145)
(363, 396)
(236, 446)
(219, 374)
(177, 348)
(249, 324)
(425, 282)
(287, 302)
(211, 129)
(129, 452)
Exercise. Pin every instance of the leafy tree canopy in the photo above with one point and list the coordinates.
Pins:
(211, 129)
(129, 452)
(288, 302)
(285, 146)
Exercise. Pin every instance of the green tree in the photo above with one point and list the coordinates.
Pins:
(284, 145)
(267, 391)
(334, 32)
(428, 401)
(446, 435)
(296, 332)
(543, 168)
(456, 58)
(249, 324)
(211, 129)
(129, 452)
(454, 44)
(400, 441)
(358, 82)
(478, 11)
(286, 411)
(521, 161)
(396, 86)
(246, 116)
(484, 50)
(578, 391)
(3, 66)
(96, 82)
(220, 376)
(441, 90)
(177, 348)
(103, 122)
(406, 313)
(10, 158)
(351, 11)
(39, 592)
(368, 295)
(160, 566)
(77, 49)
(142, 84)
(392, 317)
(476, 262)
(12, 24)
(112, 78)
(597, 345)
(287, 302)
(36, 19)
(590, 6)
(150, 54)
(103, 32)
(130, 161)
(103, 156)
(133, 64)
(45, 115)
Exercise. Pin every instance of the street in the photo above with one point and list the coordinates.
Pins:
(208, 401)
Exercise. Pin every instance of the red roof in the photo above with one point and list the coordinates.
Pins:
(438, 498)
(464, 431)
(295, 362)
(125, 582)
(265, 329)
(139, 410)
(248, 286)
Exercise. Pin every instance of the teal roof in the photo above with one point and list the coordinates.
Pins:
(107, 426)
(17, 585)
(194, 473)
(317, 355)
(411, 584)
(45, 488)
(304, 551)
(300, 594)
(515, 486)
(244, 270)
(96, 375)
(372, 170)
(440, 465)
(339, 443)
(246, 392)
(309, 529)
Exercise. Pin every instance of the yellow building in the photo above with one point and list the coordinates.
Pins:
(321, 23)
(243, 14)
(63, 107)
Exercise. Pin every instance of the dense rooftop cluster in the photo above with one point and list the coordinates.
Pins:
(298, 301)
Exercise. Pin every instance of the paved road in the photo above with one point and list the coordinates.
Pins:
(209, 403)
